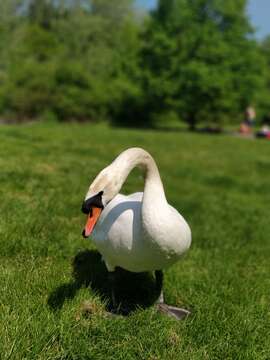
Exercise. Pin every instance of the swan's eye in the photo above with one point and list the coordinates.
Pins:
(95, 201)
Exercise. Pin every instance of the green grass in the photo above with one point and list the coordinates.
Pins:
(221, 186)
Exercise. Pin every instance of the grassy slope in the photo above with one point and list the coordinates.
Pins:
(221, 186)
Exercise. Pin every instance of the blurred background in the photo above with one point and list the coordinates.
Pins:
(75, 74)
(134, 63)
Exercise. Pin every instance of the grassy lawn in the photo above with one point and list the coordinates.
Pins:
(221, 186)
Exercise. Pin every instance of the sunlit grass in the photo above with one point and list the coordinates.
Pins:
(221, 186)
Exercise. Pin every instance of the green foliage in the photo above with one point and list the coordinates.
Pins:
(75, 60)
(224, 278)
(200, 60)
(264, 96)
(98, 59)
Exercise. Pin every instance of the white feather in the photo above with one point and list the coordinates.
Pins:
(139, 232)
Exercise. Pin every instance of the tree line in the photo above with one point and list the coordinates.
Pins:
(90, 60)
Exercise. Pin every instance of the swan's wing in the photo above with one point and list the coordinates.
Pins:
(133, 197)
(117, 233)
(119, 218)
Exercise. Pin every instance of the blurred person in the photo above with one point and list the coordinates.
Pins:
(249, 121)
(264, 131)
(250, 116)
(245, 129)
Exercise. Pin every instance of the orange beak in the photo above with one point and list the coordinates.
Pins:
(92, 218)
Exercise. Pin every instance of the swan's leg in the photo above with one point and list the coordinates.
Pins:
(172, 311)
(161, 298)
(159, 285)
(112, 281)
(116, 309)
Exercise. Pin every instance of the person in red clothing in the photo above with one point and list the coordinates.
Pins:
(249, 121)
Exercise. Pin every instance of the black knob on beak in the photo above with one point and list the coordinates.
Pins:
(83, 234)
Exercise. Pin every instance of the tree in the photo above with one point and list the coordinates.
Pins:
(72, 58)
(41, 12)
(264, 96)
(200, 60)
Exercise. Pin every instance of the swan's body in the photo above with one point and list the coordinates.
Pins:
(123, 240)
(139, 232)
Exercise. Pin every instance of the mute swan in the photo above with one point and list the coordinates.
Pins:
(138, 232)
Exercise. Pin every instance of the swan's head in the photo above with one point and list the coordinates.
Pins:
(102, 190)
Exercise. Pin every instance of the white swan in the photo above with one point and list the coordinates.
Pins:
(139, 232)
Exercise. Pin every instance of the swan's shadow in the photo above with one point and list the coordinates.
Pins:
(133, 290)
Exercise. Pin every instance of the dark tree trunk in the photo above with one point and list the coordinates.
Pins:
(192, 122)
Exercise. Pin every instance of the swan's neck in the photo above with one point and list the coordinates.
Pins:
(154, 196)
